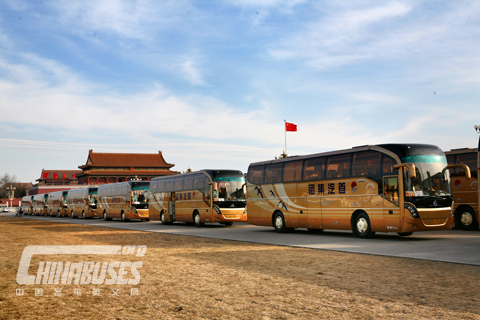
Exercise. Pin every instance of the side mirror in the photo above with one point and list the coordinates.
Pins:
(465, 168)
(410, 167)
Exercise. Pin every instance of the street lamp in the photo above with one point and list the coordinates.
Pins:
(11, 194)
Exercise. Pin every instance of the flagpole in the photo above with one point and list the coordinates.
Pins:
(285, 128)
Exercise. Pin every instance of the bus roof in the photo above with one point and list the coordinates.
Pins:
(461, 151)
(401, 150)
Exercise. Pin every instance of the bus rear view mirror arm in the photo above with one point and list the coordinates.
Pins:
(410, 167)
(465, 168)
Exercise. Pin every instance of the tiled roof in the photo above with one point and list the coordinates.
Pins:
(150, 160)
(152, 173)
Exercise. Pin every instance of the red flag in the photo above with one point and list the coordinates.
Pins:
(64, 176)
(74, 175)
(45, 175)
(55, 175)
(290, 126)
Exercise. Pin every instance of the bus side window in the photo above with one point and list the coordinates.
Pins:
(366, 163)
(199, 182)
(339, 166)
(388, 164)
(292, 171)
(470, 159)
(314, 169)
(179, 183)
(256, 174)
(169, 182)
(188, 184)
(273, 173)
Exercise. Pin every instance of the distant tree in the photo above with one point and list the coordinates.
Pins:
(5, 181)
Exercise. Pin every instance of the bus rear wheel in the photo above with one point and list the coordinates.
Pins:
(162, 219)
(362, 227)
(465, 219)
(123, 217)
(196, 219)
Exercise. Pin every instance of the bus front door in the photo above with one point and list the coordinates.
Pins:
(391, 209)
(171, 207)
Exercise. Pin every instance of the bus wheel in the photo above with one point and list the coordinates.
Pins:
(362, 227)
(404, 234)
(105, 216)
(465, 219)
(83, 214)
(227, 224)
(279, 223)
(162, 219)
(123, 217)
(72, 215)
(196, 220)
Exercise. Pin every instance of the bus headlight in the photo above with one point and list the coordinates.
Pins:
(217, 209)
(133, 209)
(413, 211)
(245, 211)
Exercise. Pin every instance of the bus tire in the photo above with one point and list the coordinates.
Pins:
(83, 214)
(404, 234)
(362, 227)
(123, 217)
(279, 222)
(72, 215)
(162, 219)
(227, 224)
(465, 219)
(105, 217)
(196, 219)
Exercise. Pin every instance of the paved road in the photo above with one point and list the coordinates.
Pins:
(449, 246)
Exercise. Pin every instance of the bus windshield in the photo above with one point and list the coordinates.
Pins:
(431, 179)
(229, 189)
(139, 198)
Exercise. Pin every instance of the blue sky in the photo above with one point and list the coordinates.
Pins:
(210, 82)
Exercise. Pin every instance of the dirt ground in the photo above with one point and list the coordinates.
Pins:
(187, 277)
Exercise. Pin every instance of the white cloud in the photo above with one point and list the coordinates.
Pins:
(191, 72)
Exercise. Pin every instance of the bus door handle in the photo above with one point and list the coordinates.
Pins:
(390, 211)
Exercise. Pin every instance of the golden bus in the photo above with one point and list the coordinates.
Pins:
(399, 188)
(188, 197)
(57, 203)
(124, 200)
(27, 205)
(82, 202)
(39, 204)
(466, 193)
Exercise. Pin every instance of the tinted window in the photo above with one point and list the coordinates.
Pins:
(314, 169)
(273, 173)
(199, 182)
(255, 174)
(338, 166)
(470, 159)
(161, 185)
(179, 183)
(388, 163)
(169, 184)
(188, 184)
(292, 171)
(366, 163)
